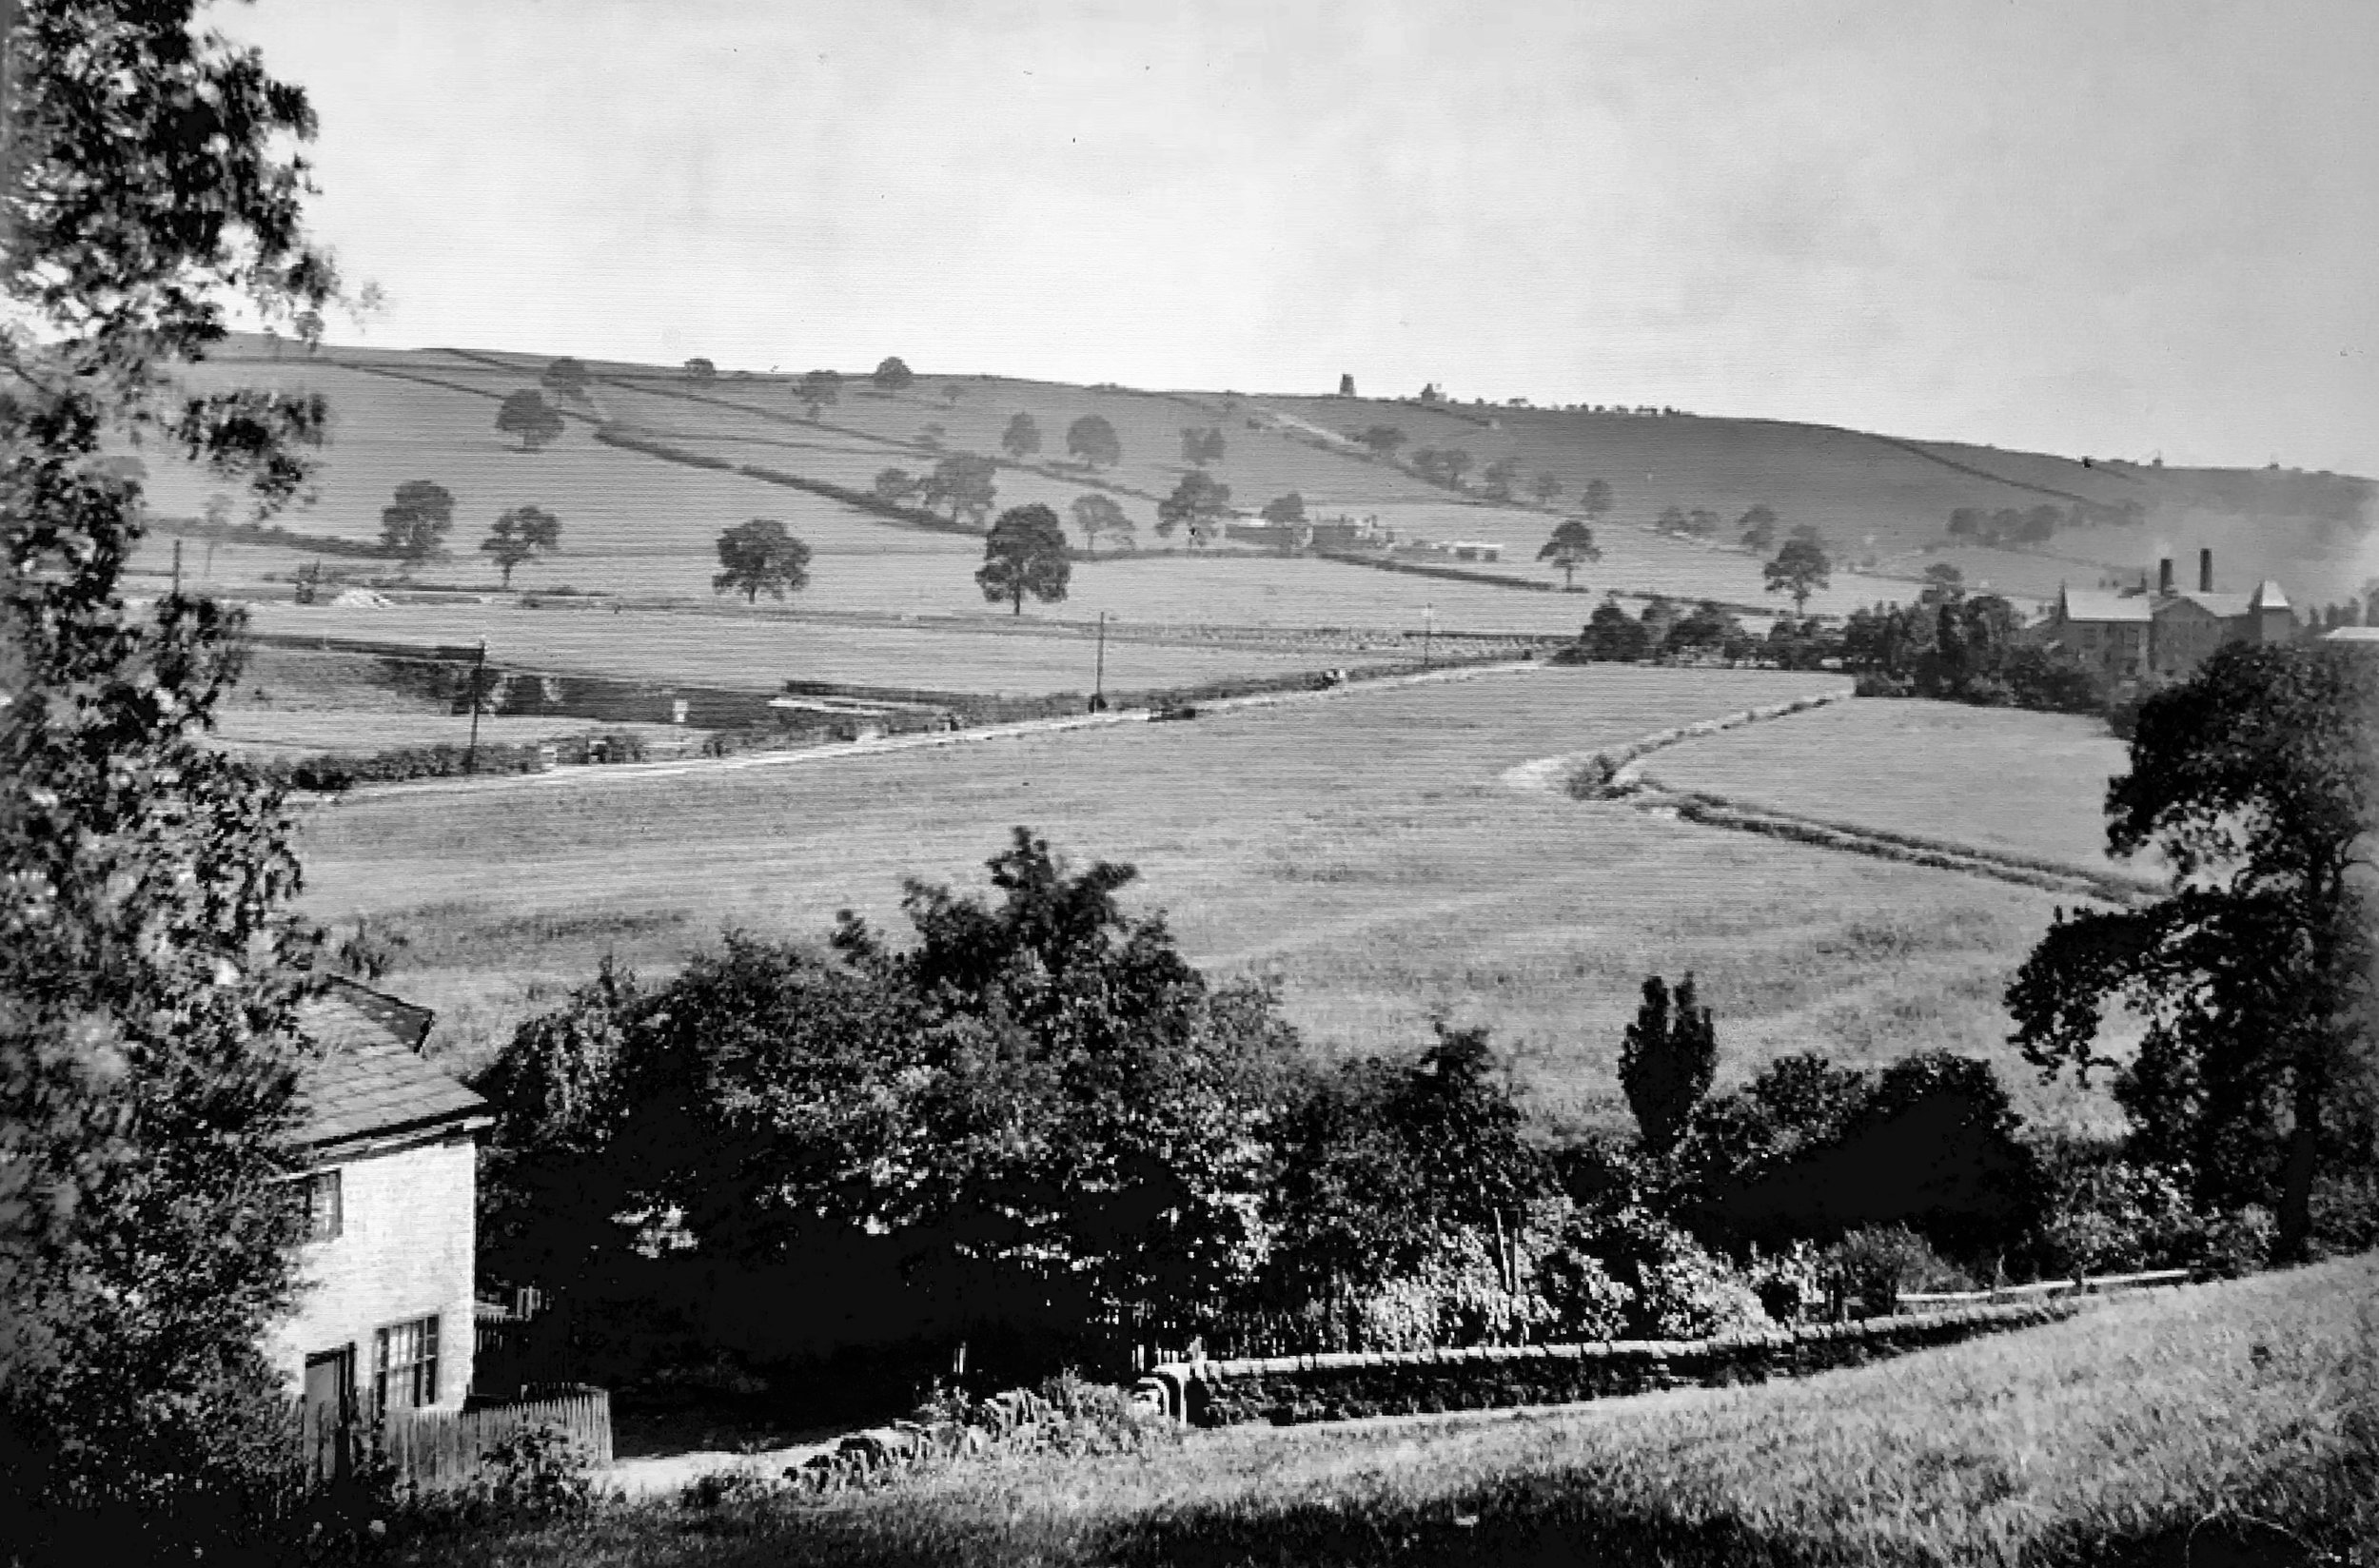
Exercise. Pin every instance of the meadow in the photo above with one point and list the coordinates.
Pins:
(1361, 851)
(1998, 778)
(2233, 1423)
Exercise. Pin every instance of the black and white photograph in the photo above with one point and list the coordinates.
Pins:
(1317, 783)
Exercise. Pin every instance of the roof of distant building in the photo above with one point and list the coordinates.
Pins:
(2221, 607)
(2351, 633)
(2268, 596)
(372, 1080)
(2090, 605)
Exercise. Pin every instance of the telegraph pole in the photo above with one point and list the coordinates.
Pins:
(470, 756)
(1098, 698)
(1429, 631)
(177, 568)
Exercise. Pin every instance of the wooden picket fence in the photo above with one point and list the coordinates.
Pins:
(2095, 1284)
(442, 1448)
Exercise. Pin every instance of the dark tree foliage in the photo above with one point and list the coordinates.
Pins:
(1022, 438)
(1382, 439)
(1808, 1152)
(1758, 527)
(760, 556)
(1199, 504)
(526, 413)
(1595, 500)
(1093, 440)
(1441, 466)
(1285, 511)
(897, 484)
(894, 375)
(1572, 546)
(1382, 1160)
(147, 969)
(1666, 1061)
(1545, 486)
(700, 369)
(519, 536)
(1201, 447)
(1614, 635)
(1025, 553)
(414, 526)
(2257, 780)
(1036, 1111)
(1498, 477)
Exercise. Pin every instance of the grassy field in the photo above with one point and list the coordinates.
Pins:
(2224, 1423)
(1993, 777)
(1361, 851)
(762, 652)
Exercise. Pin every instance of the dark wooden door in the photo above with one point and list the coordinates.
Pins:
(329, 1407)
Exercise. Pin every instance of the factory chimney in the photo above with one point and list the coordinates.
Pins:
(2205, 571)
(2164, 577)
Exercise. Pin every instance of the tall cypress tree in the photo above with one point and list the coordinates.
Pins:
(1667, 1060)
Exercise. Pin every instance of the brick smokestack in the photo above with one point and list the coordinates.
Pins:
(2205, 571)
(2164, 575)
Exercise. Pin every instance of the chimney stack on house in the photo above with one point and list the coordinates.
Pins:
(2164, 577)
(2205, 571)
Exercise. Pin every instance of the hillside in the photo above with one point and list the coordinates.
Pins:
(641, 524)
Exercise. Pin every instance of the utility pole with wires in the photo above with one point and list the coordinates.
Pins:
(1428, 632)
(470, 755)
(1098, 691)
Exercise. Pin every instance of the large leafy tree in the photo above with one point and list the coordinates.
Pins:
(1099, 515)
(894, 375)
(1801, 568)
(528, 415)
(1022, 438)
(965, 482)
(819, 391)
(521, 535)
(1025, 553)
(760, 556)
(413, 527)
(1093, 440)
(1572, 546)
(148, 970)
(1199, 504)
(2257, 781)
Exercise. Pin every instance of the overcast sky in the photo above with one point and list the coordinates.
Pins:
(2079, 226)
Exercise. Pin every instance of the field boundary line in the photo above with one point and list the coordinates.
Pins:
(631, 773)
(1610, 770)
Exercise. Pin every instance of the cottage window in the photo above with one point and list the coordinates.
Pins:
(404, 1365)
(325, 1211)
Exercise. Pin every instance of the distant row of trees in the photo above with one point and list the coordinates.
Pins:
(2009, 525)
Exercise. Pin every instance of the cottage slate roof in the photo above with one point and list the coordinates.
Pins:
(2351, 633)
(2085, 604)
(372, 1080)
(2268, 596)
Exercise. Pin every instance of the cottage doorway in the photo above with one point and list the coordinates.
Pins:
(328, 1410)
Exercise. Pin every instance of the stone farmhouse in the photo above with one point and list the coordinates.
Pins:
(2122, 637)
(386, 1317)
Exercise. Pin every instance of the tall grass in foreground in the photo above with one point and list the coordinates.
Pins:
(2233, 1423)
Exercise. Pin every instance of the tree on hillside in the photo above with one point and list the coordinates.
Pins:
(521, 535)
(149, 962)
(1201, 447)
(1285, 511)
(1093, 440)
(967, 483)
(1022, 438)
(566, 377)
(1595, 500)
(760, 556)
(1545, 486)
(1498, 477)
(1614, 635)
(896, 485)
(1666, 1061)
(1025, 553)
(893, 376)
(2257, 780)
(414, 528)
(526, 415)
(1444, 466)
(817, 391)
(1799, 569)
(1382, 439)
(1199, 504)
(1098, 516)
(1701, 522)
(952, 391)
(1943, 581)
(700, 369)
(1671, 521)
(1572, 546)
(1808, 532)
(1758, 526)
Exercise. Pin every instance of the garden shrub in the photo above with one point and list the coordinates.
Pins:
(537, 1473)
(1872, 1266)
